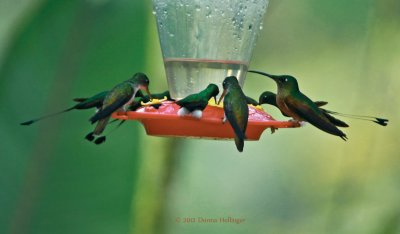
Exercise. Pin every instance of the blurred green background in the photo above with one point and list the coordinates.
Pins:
(346, 52)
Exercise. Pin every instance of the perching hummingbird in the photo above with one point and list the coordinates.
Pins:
(194, 104)
(268, 97)
(139, 98)
(137, 102)
(235, 109)
(295, 104)
(120, 97)
(96, 101)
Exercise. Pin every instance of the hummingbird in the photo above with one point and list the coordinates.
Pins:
(235, 109)
(295, 104)
(268, 97)
(119, 98)
(137, 102)
(194, 104)
(139, 98)
(96, 101)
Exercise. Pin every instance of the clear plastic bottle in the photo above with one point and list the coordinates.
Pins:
(204, 41)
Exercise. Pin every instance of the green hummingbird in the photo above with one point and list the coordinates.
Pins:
(137, 102)
(120, 97)
(295, 104)
(96, 101)
(268, 97)
(235, 109)
(139, 98)
(194, 104)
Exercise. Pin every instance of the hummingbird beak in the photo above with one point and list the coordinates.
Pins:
(275, 78)
(222, 96)
(146, 89)
(215, 99)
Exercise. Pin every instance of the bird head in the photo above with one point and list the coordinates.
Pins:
(213, 90)
(228, 82)
(285, 82)
(141, 81)
(267, 97)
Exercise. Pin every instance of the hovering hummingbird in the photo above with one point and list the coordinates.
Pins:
(235, 109)
(194, 104)
(268, 97)
(120, 97)
(96, 101)
(295, 104)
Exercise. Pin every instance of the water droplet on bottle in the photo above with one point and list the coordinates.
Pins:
(198, 8)
(154, 12)
(171, 35)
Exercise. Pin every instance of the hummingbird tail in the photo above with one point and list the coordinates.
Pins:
(239, 144)
(344, 137)
(46, 116)
(101, 125)
(100, 140)
(89, 136)
(377, 120)
(335, 121)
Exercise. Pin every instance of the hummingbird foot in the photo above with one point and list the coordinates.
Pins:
(302, 123)
(183, 111)
(273, 130)
(197, 114)
(297, 122)
(224, 119)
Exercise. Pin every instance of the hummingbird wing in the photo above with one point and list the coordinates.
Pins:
(306, 109)
(94, 101)
(80, 99)
(335, 121)
(116, 99)
(320, 103)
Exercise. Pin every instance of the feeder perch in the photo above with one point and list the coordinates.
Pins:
(165, 121)
(202, 42)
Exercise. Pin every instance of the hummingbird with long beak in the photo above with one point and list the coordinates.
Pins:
(119, 99)
(268, 97)
(235, 109)
(295, 104)
(194, 104)
(96, 101)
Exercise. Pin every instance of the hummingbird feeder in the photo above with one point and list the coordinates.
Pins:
(202, 42)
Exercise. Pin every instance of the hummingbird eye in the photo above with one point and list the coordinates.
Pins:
(286, 79)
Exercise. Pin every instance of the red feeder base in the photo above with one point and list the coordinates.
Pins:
(164, 121)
